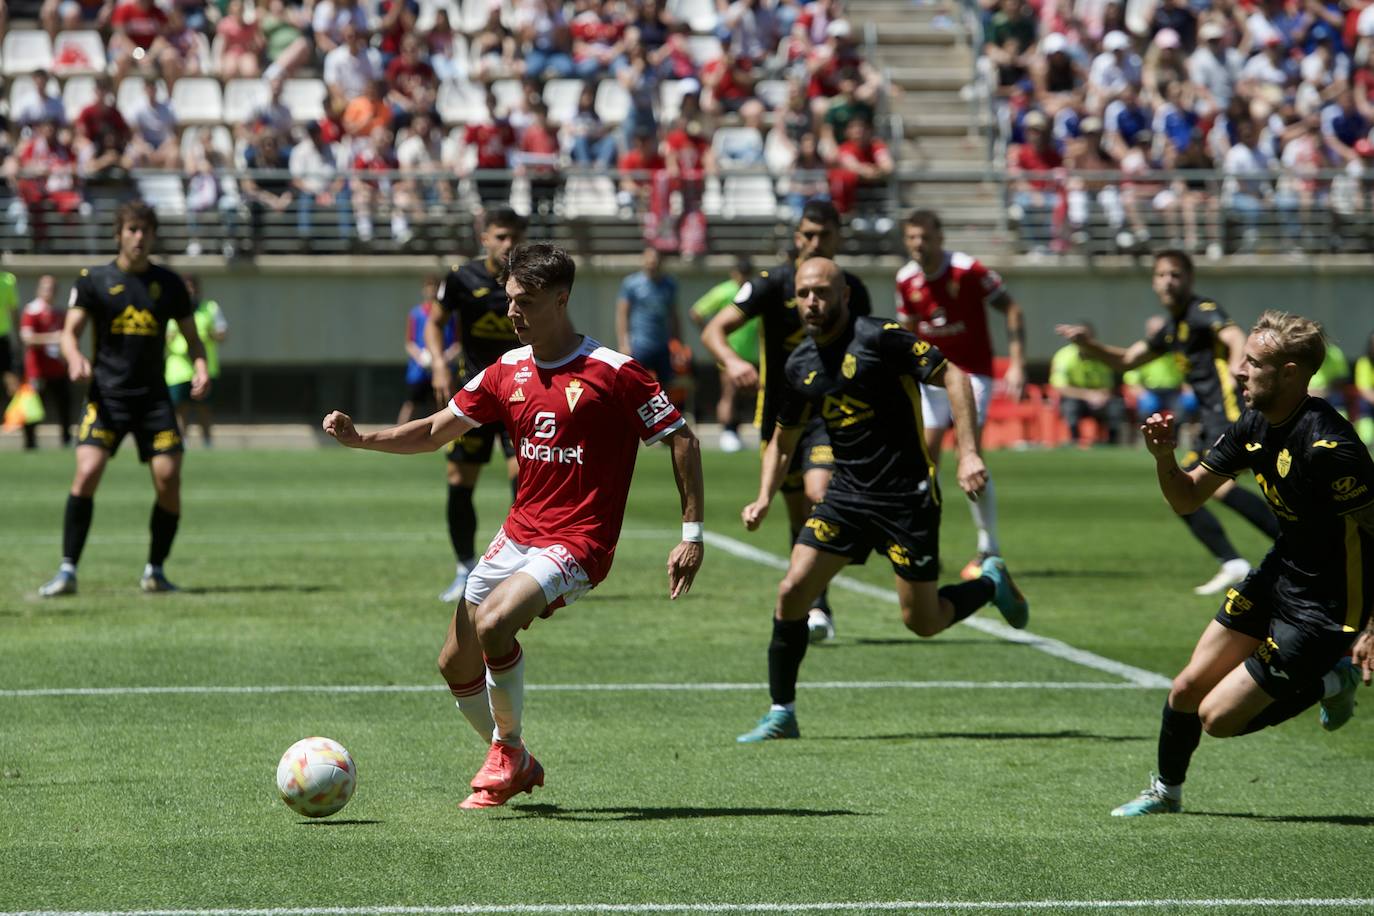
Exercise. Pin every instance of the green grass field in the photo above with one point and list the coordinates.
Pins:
(981, 775)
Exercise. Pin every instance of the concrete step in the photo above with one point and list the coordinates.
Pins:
(919, 125)
(929, 79)
(921, 34)
(916, 104)
(960, 151)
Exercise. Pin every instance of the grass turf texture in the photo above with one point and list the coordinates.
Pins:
(320, 568)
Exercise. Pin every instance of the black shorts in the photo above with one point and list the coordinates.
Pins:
(6, 357)
(1213, 425)
(906, 531)
(1299, 641)
(421, 392)
(813, 451)
(151, 419)
(476, 447)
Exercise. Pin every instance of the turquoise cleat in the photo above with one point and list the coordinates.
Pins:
(1337, 710)
(776, 723)
(1008, 598)
(1154, 800)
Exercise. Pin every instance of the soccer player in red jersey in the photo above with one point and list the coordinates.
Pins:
(941, 297)
(578, 410)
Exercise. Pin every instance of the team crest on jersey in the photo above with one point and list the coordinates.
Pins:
(849, 366)
(517, 396)
(138, 322)
(920, 348)
(573, 393)
(1284, 462)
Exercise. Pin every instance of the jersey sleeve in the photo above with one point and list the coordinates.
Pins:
(989, 281)
(1228, 455)
(179, 305)
(860, 303)
(1158, 342)
(909, 354)
(83, 293)
(479, 401)
(754, 296)
(1344, 473)
(651, 414)
(1209, 317)
(449, 291)
(792, 407)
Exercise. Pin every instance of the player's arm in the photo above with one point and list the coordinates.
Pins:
(195, 348)
(1234, 338)
(1015, 378)
(714, 338)
(440, 376)
(973, 473)
(1119, 358)
(776, 458)
(424, 435)
(622, 324)
(78, 367)
(1185, 491)
(686, 557)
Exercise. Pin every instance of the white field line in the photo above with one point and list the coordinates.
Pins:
(1058, 649)
(296, 537)
(463, 909)
(564, 688)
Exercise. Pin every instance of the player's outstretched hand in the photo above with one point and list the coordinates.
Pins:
(973, 476)
(442, 380)
(683, 564)
(1075, 333)
(1158, 430)
(200, 384)
(340, 425)
(753, 514)
(79, 370)
(1362, 654)
(1014, 380)
(743, 374)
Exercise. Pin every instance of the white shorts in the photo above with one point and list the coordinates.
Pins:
(555, 569)
(935, 402)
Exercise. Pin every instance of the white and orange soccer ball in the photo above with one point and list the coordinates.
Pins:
(316, 777)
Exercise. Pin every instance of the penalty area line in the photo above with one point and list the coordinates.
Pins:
(1138, 676)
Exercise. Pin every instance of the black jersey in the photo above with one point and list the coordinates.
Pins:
(1315, 472)
(130, 313)
(1194, 339)
(865, 386)
(472, 293)
(772, 298)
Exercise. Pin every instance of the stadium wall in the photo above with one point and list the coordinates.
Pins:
(310, 335)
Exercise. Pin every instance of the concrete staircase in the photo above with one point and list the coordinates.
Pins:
(927, 52)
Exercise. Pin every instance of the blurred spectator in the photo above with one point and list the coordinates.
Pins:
(439, 44)
(1194, 193)
(1214, 67)
(351, 67)
(40, 331)
(1034, 195)
(102, 115)
(1175, 16)
(494, 50)
(241, 43)
(1059, 78)
(598, 36)
(134, 26)
(268, 189)
(330, 23)
(1303, 157)
(1157, 386)
(796, 118)
(1086, 388)
(742, 147)
(1140, 189)
(727, 84)
(367, 113)
(155, 144)
(844, 107)
(1165, 64)
(315, 180)
(646, 316)
(687, 160)
(753, 30)
(1084, 154)
(57, 15)
(397, 22)
(545, 39)
(537, 160)
(1267, 70)
(640, 79)
(1117, 67)
(493, 141)
(373, 154)
(199, 15)
(588, 140)
(418, 157)
(43, 106)
(272, 114)
(744, 341)
(179, 51)
(651, 24)
(419, 388)
(808, 177)
(1124, 119)
(1342, 126)
(213, 329)
(46, 179)
(1011, 34)
(639, 166)
(285, 31)
(836, 60)
(411, 82)
(206, 192)
(1248, 188)
(863, 166)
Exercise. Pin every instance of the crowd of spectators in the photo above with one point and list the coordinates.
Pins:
(1275, 96)
(414, 97)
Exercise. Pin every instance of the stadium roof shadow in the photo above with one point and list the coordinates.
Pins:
(1347, 820)
(628, 813)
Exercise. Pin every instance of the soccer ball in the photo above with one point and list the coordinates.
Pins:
(316, 777)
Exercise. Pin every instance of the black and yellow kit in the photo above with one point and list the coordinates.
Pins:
(864, 386)
(1194, 339)
(473, 293)
(1312, 593)
(128, 394)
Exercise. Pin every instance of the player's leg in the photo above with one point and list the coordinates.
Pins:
(465, 672)
(817, 469)
(809, 572)
(1205, 527)
(984, 508)
(1303, 661)
(162, 524)
(725, 414)
(76, 518)
(465, 460)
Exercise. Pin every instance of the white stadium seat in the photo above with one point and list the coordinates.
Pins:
(78, 52)
(748, 195)
(197, 100)
(242, 97)
(130, 97)
(588, 195)
(304, 98)
(561, 97)
(703, 48)
(670, 93)
(461, 103)
(772, 93)
(164, 192)
(701, 15)
(220, 139)
(510, 94)
(26, 50)
(425, 21)
(612, 102)
(77, 93)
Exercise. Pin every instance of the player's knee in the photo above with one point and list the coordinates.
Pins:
(922, 624)
(1187, 692)
(793, 599)
(1217, 724)
(815, 489)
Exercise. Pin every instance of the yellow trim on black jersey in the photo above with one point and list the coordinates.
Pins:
(1211, 470)
(1354, 576)
(913, 393)
(763, 383)
(1228, 390)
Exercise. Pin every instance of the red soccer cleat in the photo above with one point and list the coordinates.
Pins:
(508, 771)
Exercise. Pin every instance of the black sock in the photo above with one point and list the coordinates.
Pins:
(968, 597)
(1254, 509)
(30, 435)
(731, 427)
(1207, 529)
(1179, 734)
(76, 524)
(163, 526)
(1286, 708)
(823, 603)
(462, 521)
(785, 654)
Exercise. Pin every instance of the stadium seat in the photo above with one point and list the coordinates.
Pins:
(703, 48)
(242, 97)
(700, 15)
(474, 16)
(129, 97)
(425, 20)
(670, 93)
(509, 94)
(735, 137)
(772, 93)
(461, 103)
(220, 138)
(304, 98)
(78, 52)
(777, 155)
(77, 93)
(612, 102)
(164, 192)
(561, 97)
(588, 195)
(26, 50)
(748, 195)
(22, 92)
(197, 100)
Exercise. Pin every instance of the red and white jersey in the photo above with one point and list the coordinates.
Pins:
(950, 308)
(577, 425)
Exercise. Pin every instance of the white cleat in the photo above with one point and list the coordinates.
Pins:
(454, 592)
(819, 625)
(64, 583)
(729, 441)
(1232, 572)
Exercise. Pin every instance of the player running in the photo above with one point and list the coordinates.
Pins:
(941, 295)
(1212, 348)
(1279, 641)
(129, 302)
(484, 332)
(771, 297)
(861, 376)
(578, 410)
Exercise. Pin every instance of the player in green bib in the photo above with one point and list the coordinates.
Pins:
(213, 329)
(1364, 392)
(744, 340)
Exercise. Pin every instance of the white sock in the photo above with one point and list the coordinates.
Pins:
(506, 688)
(984, 512)
(472, 702)
(783, 707)
(150, 570)
(1168, 791)
(68, 567)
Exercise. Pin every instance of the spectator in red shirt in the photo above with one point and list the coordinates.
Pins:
(727, 83)
(241, 44)
(40, 330)
(411, 83)
(101, 116)
(45, 176)
(1037, 195)
(373, 154)
(537, 159)
(862, 168)
(494, 141)
(687, 160)
(135, 25)
(598, 34)
(639, 166)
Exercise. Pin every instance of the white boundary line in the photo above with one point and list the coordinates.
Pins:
(463, 909)
(1058, 649)
(564, 688)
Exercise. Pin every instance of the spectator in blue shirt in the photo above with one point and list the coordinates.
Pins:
(646, 316)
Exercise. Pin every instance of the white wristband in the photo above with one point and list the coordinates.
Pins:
(693, 532)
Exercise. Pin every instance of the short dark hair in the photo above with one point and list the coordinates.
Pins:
(134, 211)
(928, 220)
(507, 218)
(744, 264)
(1178, 256)
(821, 211)
(540, 266)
